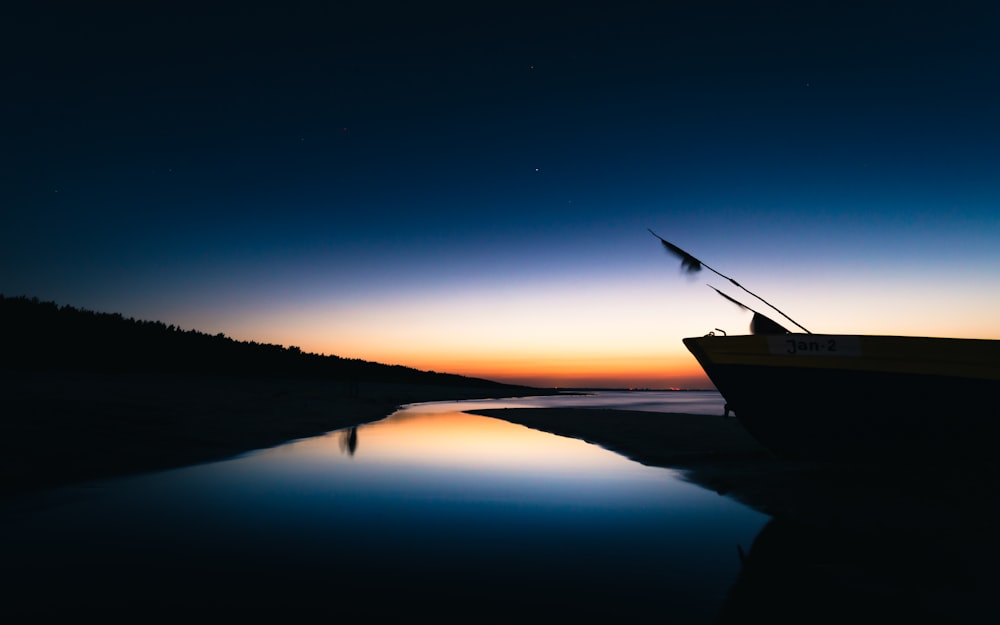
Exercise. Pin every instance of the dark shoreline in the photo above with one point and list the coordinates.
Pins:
(68, 427)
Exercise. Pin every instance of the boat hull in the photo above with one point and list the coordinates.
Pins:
(807, 396)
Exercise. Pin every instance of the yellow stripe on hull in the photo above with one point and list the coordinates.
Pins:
(968, 358)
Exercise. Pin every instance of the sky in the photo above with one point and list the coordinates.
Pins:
(470, 187)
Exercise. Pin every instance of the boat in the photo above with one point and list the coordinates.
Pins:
(808, 396)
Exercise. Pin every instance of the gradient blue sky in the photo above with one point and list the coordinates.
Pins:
(467, 187)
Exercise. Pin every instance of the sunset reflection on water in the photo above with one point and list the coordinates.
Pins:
(430, 500)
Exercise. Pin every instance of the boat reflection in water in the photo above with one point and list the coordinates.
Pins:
(887, 544)
(800, 573)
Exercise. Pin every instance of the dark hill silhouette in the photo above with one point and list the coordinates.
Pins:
(43, 336)
(89, 395)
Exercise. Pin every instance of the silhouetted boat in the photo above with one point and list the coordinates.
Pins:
(859, 396)
(805, 395)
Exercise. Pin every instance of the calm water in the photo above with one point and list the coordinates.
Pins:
(429, 512)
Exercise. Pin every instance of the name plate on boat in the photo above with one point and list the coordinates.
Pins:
(814, 345)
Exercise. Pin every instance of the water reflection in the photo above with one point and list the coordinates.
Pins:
(349, 440)
(691, 402)
(439, 514)
(431, 512)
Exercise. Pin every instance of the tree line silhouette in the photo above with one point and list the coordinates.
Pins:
(39, 335)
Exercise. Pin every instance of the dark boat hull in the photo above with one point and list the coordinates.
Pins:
(858, 397)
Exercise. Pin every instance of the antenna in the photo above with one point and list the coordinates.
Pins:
(691, 264)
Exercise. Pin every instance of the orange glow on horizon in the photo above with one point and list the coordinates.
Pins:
(505, 339)
(680, 371)
(648, 368)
